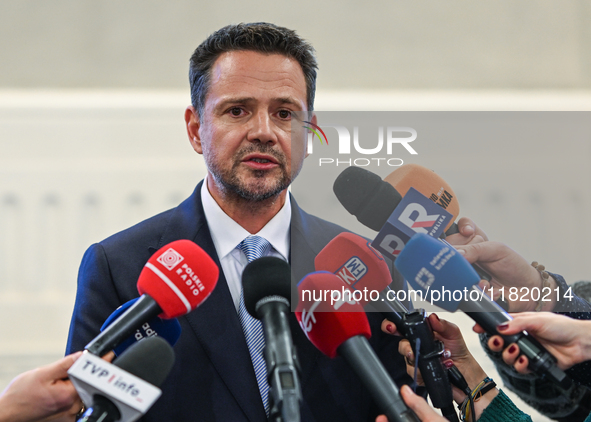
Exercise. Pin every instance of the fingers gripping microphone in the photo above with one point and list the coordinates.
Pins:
(363, 269)
(448, 281)
(341, 328)
(266, 283)
(168, 329)
(174, 281)
(127, 388)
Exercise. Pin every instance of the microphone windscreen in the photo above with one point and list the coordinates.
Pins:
(428, 183)
(150, 359)
(436, 269)
(365, 195)
(356, 262)
(327, 322)
(264, 277)
(168, 329)
(179, 277)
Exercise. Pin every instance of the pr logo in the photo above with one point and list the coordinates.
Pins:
(170, 258)
(316, 129)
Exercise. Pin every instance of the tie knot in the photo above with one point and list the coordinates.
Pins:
(254, 247)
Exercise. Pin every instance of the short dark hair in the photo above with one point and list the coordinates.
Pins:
(260, 37)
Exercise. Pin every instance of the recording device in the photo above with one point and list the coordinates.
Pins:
(380, 206)
(341, 328)
(168, 329)
(448, 281)
(363, 269)
(126, 389)
(174, 281)
(266, 284)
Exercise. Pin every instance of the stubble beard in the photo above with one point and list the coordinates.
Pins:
(254, 188)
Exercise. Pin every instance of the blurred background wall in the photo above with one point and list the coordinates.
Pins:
(92, 140)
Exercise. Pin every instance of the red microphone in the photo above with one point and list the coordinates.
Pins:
(174, 281)
(338, 327)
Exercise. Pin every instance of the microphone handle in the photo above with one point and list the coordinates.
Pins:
(102, 410)
(144, 309)
(430, 364)
(368, 367)
(489, 315)
(281, 359)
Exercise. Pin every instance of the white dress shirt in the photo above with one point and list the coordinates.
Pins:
(227, 235)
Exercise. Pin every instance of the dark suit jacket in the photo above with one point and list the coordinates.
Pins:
(213, 378)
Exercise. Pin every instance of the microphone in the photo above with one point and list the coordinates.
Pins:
(266, 284)
(174, 281)
(431, 185)
(168, 329)
(341, 328)
(127, 388)
(431, 266)
(363, 269)
(379, 206)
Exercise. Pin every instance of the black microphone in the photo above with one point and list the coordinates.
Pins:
(374, 201)
(266, 284)
(111, 393)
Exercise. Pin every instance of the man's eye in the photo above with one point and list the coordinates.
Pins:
(235, 111)
(284, 114)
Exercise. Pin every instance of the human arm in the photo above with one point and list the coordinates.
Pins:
(41, 394)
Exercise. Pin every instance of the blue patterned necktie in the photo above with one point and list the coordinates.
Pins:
(255, 247)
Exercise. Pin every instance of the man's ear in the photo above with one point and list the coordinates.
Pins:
(192, 123)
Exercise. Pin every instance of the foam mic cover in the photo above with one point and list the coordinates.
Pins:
(365, 195)
(265, 277)
(179, 276)
(168, 329)
(328, 322)
(355, 262)
(150, 359)
(428, 183)
(436, 269)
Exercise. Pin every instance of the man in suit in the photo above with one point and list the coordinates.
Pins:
(247, 82)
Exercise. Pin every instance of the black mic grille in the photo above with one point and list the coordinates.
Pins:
(365, 195)
(263, 277)
(150, 359)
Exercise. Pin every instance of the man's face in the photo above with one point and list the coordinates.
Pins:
(245, 131)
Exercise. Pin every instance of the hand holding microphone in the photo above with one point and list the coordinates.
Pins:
(174, 281)
(449, 281)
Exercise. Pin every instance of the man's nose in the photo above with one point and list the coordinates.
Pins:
(262, 129)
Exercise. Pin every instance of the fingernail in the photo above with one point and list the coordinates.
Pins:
(496, 342)
(448, 363)
(521, 359)
(512, 349)
(502, 327)
(436, 317)
(462, 252)
(446, 354)
(390, 328)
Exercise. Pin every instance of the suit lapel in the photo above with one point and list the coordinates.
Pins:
(215, 323)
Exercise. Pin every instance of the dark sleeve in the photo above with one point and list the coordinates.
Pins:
(572, 304)
(96, 299)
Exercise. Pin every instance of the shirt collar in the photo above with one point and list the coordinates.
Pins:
(227, 233)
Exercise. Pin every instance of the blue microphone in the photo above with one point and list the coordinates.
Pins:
(168, 329)
(448, 280)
